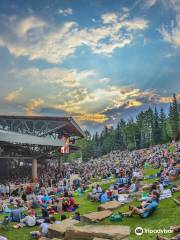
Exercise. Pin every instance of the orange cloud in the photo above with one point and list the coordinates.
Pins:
(134, 103)
(13, 95)
(165, 99)
(168, 99)
(98, 118)
(33, 105)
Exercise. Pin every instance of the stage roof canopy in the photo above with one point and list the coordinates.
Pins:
(36, 135)
(41, 125)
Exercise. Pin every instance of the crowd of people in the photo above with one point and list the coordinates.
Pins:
(54, 192)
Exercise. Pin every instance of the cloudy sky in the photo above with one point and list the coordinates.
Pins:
(95, 60)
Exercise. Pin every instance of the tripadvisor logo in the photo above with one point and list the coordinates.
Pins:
(139, 231)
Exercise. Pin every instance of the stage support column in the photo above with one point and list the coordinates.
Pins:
(34, 170)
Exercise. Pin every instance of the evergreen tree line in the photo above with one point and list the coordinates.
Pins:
(149, 128)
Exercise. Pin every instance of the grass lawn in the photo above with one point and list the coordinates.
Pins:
(167, 214)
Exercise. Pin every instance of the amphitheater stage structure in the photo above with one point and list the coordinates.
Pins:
(37, 137)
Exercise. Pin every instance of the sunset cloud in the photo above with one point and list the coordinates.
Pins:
(97, 118)
(33, 105)
(72, 93)
(11, 96)
(168, 99)
(100, 100)
(133, 103)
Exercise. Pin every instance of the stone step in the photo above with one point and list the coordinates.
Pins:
(56, 239)
(109, 206)
(96, 216)
(126, 238)
(44, 238)
(89, 232)
(100, 239)
(58, 230)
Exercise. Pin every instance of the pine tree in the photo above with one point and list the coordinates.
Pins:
(156, 128)
(149, 122)
(174, 116)
(162, 125)
(118, 142)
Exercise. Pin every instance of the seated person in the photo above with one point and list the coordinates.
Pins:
(115, 194)
(59, 206)
(29, 220)
(121, 181)
(39, 198)
(71, 201)
(133, 187)
(66, 194)
(96, 193)
(44, 227)
(144, 211)
(44, 211)
(72, 205)
(55, 190)
(103, 197)
(80, 191)
(109, 193)
(77, 216)
(53, 208)
(99, 189)
(166, 181)
(15, 192)
(154, 194)
(65, 205)
(34, 203)
(154, 186)
(11, 199)
(31, 211)
(24, 196)
(28, 189)
(17, 214)
(46, 199)
(18, 203)
(93, 193)
(160, 187)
